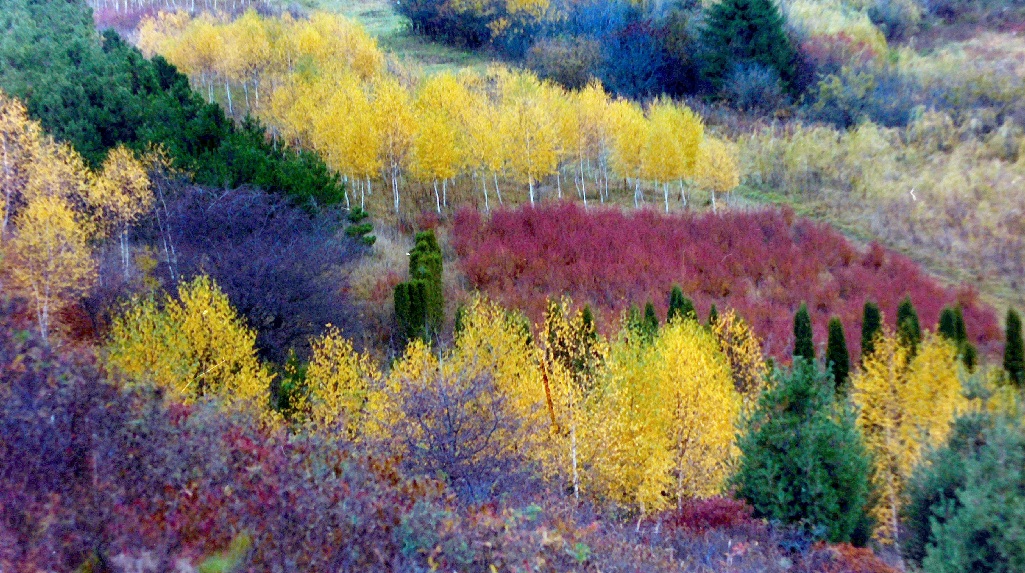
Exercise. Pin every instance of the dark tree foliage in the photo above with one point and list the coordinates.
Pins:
(98, 92)
(871, 325)
(804, 346)
(973, 498)
(1014, 349)
(738, 32)
(947, 326)
(680, 305)
(932, 490)
(279, 265)
(420, 303)
(802, 459)
(838, 361)
(650, 321)
(909, 330)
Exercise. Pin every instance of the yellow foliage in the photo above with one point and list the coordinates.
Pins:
(121, 193)
(743, 352)
(193, 346)
(678, 410)
(904, 409)
(20, 141)
(51, 254)
(338, 380)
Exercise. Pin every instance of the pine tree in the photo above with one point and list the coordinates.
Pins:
(420, 304)
(871, 324)
(1014, 351)
(680, 305)
(909, 330)
(802, 458)
(947, 326)
(650, 323)
(804, 346)
(837, 359)
(713, 315)
(741, 32)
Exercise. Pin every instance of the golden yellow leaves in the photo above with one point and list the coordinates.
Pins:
(679, 411)
(192, 346)
(905, 407)
(338, 380)
(55, 207)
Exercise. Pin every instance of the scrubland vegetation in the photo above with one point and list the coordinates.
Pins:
(689, 286)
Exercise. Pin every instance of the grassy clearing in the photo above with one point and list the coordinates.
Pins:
(391, 29)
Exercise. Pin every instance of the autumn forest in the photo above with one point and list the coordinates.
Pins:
(512, 285)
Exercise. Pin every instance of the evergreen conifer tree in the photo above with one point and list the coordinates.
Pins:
(1014, 350)
(713, 315)
(804, 346)
(909, 330)
(802, 458)
(837, 358)
(420, 304)
(871, 324)
(650, 323)
(680, 305)
(739, 32)
(947, 327)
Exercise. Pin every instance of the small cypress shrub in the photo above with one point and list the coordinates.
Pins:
(1014, 351)
(837, 359)
(680, 305)
(947, 326)
(909, 330)
(804, 346)
(650, 321)
(871, 324)
(424, 314)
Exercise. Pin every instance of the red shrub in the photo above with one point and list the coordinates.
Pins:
(763, 264)
(846, 558)
(701, 515)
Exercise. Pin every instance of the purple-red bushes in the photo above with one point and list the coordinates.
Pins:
(701, 515)
(764, 264)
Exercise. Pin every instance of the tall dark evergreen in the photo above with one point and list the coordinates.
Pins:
(804, 345)
(802, 458)
(650, 322)
(420, 303)
(713, 315)
(837, 358)
(680, 305)
(909, 330)
(745, 32)
(947, 326)
(871, 324)
(1014, 351)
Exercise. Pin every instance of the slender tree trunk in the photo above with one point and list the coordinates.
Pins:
(713, 202)
(444, 192)
(484, 186)
(683, 194)
(530, 185)
(583, 185)
(558, 181)
(227, 90)
(437, 198)
(665, 191)
(498, 191)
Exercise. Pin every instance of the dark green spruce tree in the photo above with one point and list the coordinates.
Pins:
(947, 327)
(909, 330)
(1014, 350)
(680, 305)
(802, 458)
(837, 358)
(650, 322)
(713, 315)
(739, 32)
(871, 324)
(804, 346)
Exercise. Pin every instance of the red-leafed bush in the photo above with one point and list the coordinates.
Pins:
(846, 558)
(701, 515)
(764, 264)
